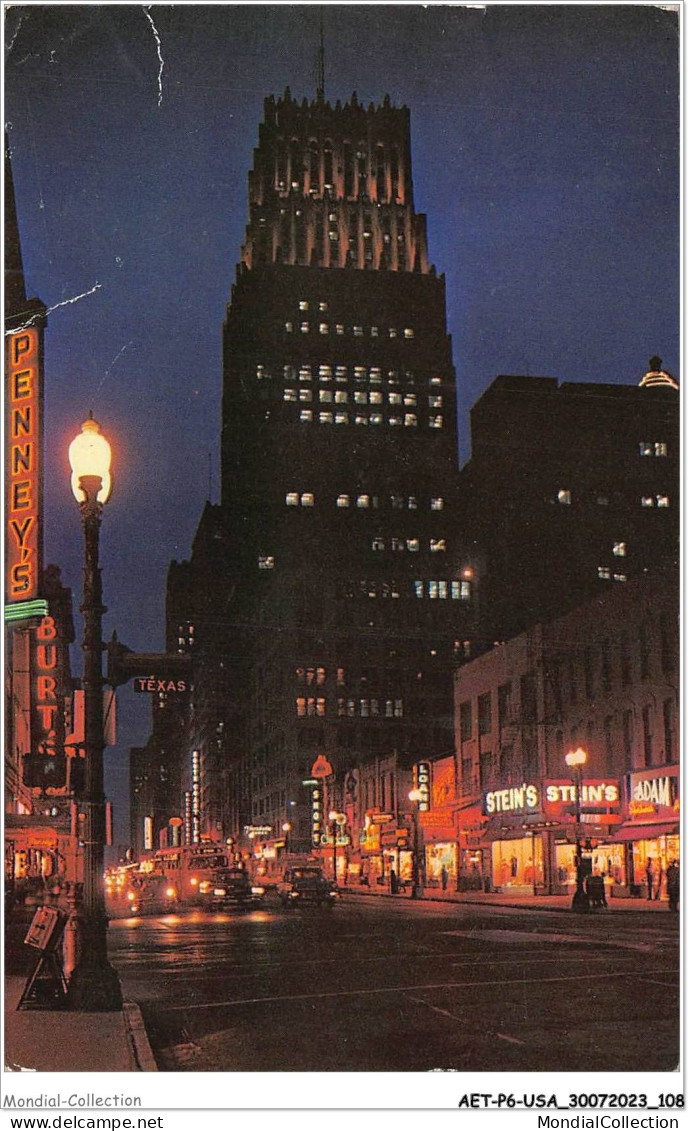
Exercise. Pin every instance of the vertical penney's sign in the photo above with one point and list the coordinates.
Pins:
(23, 466)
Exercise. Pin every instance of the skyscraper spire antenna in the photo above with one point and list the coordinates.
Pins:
(320, 93)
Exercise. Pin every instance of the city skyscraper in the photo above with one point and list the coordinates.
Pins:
(351, 600)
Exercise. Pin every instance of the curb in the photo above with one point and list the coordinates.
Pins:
(139, 1045)
(452, 900)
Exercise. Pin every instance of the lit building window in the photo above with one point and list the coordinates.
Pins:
(435, 381)
(435, 421)
(304, 327)
(358, 331)
(392, 332)
(661, 449)
(410, 400)
(395, 421)
(289, 327)
(322, 306)
(292, 498)
(365, 708)
(397, 502)
(647, 501)
(413, 545)
(436, 504)
(645, 448)
(433, 590)
(378, 543)
(307, 499)
(442, 589)
(290, 395)
(324, 328)
(305, 373)
(361, 419)
(604, 573)
(398, 708)
(260, 372)
(435, 402)
(412, 503)
(341, 418)
(375, 397)
(320, 706)
(437, 545)
(602, 501)
(325, 372)
(360, 372)
(374, 331)
(376, 418)
(343, 501)
(341, 396)
(266, 561)
(408, 332)
(360, 396)
(375, 376)
(289, 373)
(363, 501)
(305, 395)
(410, 420)
(620, 577)
(339, 328)
(341, 372)
(303, 305)
(326, 418)
(564, 497)
(301, 707)
(395, 398)
(326, 395)
(418, 588)
(306, 415)
(619, 549)
(398, 544)
(461, 590)
(662, 500)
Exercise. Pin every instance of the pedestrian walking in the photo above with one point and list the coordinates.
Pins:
(673, 885)
(444, 877)
(650, 877)
(393, 882)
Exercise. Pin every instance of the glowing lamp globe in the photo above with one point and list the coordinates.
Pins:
(576, 757)
(90, 455)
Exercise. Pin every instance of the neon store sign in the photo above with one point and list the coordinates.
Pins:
(23, 467)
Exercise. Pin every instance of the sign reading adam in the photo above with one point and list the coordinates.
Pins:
(653, 795)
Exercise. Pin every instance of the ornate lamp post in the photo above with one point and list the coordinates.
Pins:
(94, 985)
(575, 760)
(416, 796)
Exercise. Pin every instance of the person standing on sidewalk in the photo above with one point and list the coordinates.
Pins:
(660, 877)
(393, 882)
(673, 885)
(444, 877)
(650, 877)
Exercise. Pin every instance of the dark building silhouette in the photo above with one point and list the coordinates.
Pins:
(570, 489)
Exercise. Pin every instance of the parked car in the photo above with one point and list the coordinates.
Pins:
(306, 885)
(234, 888)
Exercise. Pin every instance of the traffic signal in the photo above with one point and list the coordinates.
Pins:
(44, 771)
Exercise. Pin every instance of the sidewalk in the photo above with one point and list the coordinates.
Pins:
(59, 1041)
(522, 900)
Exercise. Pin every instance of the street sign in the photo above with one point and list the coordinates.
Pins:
(321, 768)
(153, 684)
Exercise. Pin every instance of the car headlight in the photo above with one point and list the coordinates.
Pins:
(193, 881)
(258, 891)
(220, 891)
(171, 893)
(130, 895)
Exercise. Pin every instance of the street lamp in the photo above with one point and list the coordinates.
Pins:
(575, 760)
(336, 819)
(94, 985)
(416, 796)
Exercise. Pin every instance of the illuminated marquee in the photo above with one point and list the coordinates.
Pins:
(47, 660)
(516, 799)
(421, 782)
(23, 466)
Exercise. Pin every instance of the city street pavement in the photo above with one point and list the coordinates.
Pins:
(48, 1040)
(394, 984)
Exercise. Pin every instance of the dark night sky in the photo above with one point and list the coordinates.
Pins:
(545, 153)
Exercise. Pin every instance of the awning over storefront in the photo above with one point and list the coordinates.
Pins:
(645, 832)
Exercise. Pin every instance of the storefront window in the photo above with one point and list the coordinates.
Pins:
(661, 851)
(512, 863)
